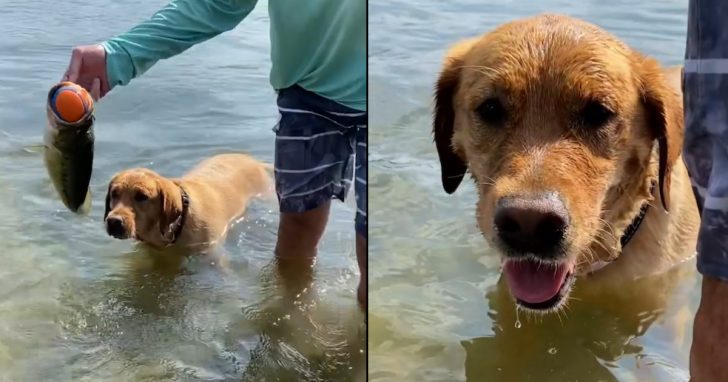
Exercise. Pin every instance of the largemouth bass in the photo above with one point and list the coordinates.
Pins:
(69, 144)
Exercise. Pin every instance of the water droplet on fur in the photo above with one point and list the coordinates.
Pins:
(553, 351)
(518, 321)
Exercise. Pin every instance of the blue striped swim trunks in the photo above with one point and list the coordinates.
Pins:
(321, 149)
(705, 92)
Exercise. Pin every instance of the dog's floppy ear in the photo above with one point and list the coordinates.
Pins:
(170, 209)
(665, 119)
(107, 208)
(452, 166)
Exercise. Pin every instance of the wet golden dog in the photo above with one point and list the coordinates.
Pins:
(192, 212)
(574, 141)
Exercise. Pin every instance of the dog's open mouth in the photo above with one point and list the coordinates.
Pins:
(536, 285)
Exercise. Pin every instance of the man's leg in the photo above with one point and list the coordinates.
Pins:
(300, 232)
(361, 257)
(313, 164)
(705, 86)
(360, 188)
(298, 235)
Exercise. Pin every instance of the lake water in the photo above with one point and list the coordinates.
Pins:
(436, 312)
(77, 305)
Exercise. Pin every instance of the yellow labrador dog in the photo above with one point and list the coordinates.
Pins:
(192, 212)
(574, 142)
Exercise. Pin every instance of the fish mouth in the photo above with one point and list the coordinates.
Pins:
(539, 286)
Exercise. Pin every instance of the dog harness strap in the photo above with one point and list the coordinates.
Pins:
(632, 229)
(183, 216)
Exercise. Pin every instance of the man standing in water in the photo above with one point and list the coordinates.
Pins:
(705, 92)
(318, 52)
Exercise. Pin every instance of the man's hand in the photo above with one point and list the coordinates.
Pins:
(88, 69)
(709, 352)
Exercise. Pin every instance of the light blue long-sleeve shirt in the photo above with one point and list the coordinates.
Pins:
(319, 45)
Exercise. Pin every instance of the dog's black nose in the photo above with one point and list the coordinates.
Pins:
(115, 226)
(535, 225)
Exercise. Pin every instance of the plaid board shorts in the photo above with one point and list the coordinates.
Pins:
(705, 89)
(321, 149)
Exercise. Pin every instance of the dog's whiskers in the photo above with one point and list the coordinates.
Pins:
(603, 246)
(558, 314)
(488, 181)
(484, 70)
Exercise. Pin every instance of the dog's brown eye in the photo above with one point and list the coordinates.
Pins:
(140, 197)
(491, 111)
(115, 194)
(595, 114)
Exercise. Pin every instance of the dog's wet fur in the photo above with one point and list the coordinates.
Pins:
(567, 133)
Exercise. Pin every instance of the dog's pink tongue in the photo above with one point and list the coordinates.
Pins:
(532, 282)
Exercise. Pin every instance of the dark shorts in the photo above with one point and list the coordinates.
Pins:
(705, 88)
(321, 149)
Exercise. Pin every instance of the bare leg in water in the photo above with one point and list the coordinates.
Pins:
(298, 238)
(361, 257)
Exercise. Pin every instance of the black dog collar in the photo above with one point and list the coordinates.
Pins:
(183, 216)
(632, 229)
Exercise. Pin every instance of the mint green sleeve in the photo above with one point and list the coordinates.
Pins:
(172, 30)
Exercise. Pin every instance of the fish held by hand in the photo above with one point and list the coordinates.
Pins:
(69, 144)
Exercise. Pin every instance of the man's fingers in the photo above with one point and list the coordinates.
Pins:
(96, 89)
(74, 67)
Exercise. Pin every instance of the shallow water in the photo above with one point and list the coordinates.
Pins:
(436, 311)
(78, 305)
